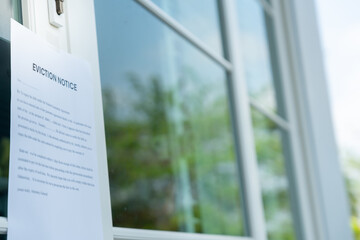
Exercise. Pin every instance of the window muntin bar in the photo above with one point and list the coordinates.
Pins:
(259, 53)
(161, 15)
(271, 143)
(200, 17)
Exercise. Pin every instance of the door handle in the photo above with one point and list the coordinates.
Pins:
(59, 6)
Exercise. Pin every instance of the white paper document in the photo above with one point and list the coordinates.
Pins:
(53, 175)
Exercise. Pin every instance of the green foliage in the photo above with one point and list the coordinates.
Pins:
(355, 227)
(171, 161)
(351, 172)
(269, 141)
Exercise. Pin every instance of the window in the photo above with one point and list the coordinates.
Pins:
(169, 117)
(171, 154)
(262, 73)
(200, 18)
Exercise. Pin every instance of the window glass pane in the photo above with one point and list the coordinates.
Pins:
(269, 141)
(8, 9)
(259, 55)
(4, 122)
(171, 154)
(200, 17)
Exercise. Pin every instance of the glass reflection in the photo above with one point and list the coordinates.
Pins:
(259, 55)
(274, 183)
(4, 122)
(201, 17)
(8, 9)
(170, 146)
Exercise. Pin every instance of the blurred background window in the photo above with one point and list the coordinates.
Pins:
(340, 29)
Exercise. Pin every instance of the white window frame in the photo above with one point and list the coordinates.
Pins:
(323, 207)
(321, 179)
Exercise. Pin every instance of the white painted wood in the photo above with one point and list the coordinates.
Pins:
(36, 18)
(55, 19)
(28, 14)
(279, 121)
(327, 187)
(137, 234)
(177, 27)
(299, 168)
(253, 199)
(312, 188)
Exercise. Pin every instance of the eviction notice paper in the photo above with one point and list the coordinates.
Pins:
(53, 175)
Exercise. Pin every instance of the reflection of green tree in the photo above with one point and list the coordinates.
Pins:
(268, 140)
(171, 162)
(134, 155)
